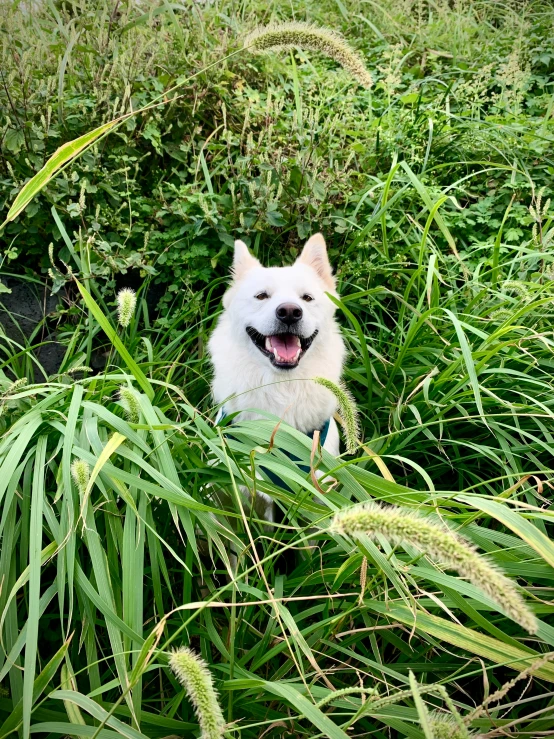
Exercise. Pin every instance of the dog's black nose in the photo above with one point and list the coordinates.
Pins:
(289, 313)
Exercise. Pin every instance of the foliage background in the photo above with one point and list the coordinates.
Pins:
(241, 152)
(433, 192)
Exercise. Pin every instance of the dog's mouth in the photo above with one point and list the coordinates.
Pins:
(283, 350)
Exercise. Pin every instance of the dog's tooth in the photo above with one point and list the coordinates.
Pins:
(268, 344)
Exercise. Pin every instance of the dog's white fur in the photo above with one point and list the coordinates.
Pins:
(245, 380)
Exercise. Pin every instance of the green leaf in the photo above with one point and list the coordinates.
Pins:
(59, 727)
(307, 709)
(421, 708)
(73, 712)
(61, 157)
(464, 638)
(14, 140)
(427, 199)
(17, 441)
(97, 712)
(468, 360)
(275, 218)
(45, 599)
(35, 542)
(517, 523)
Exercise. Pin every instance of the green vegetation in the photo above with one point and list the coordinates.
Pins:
(119, 501)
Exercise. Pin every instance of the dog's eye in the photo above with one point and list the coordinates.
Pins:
(307, 298)
(262, 296)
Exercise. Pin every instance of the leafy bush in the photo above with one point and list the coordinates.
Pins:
(264, 148)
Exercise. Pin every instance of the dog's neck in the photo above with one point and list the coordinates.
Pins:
(245, 382)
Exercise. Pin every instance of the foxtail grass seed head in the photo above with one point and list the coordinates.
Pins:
(79, 368)
(347, 410)
(281, 36)
(126, 304)
(16, 386)
(195, 677)
(517, 287)
(503, 691)
(131, 404)
(80, 472)
(444, 727)
(500, 315)
(442, 545)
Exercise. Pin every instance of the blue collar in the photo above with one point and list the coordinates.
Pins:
(275, 479)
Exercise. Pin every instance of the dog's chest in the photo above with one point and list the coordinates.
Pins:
(300, 403)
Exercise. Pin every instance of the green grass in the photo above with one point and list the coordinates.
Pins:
(445, 277)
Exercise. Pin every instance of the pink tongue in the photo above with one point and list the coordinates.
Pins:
(286, 345)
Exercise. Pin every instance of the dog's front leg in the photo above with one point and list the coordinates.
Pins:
(265, 508)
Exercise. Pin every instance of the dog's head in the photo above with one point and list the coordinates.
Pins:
(279, 312)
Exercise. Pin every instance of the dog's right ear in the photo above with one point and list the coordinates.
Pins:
(243, 260)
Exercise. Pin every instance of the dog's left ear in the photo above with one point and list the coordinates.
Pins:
(314, 254)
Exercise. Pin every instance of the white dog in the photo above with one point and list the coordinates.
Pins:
(277, 332)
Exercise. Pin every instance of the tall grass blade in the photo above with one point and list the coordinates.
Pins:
(35, 544)
(421, 708)
(63, 156)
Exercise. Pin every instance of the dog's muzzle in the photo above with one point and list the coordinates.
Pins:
(284, 350)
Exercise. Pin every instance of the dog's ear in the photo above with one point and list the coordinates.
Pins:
(243, 260)
(314, 254)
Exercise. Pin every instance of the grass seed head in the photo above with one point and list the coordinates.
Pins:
(442, 545)
(517, 287)
(445, 727)
(277, 36)
(131, 404)
(80, 471)
(195, 677)
(126, 304)
(347, 409)
(79, 368)
(16, 386)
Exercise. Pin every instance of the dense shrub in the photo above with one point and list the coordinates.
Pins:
(266, 148)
